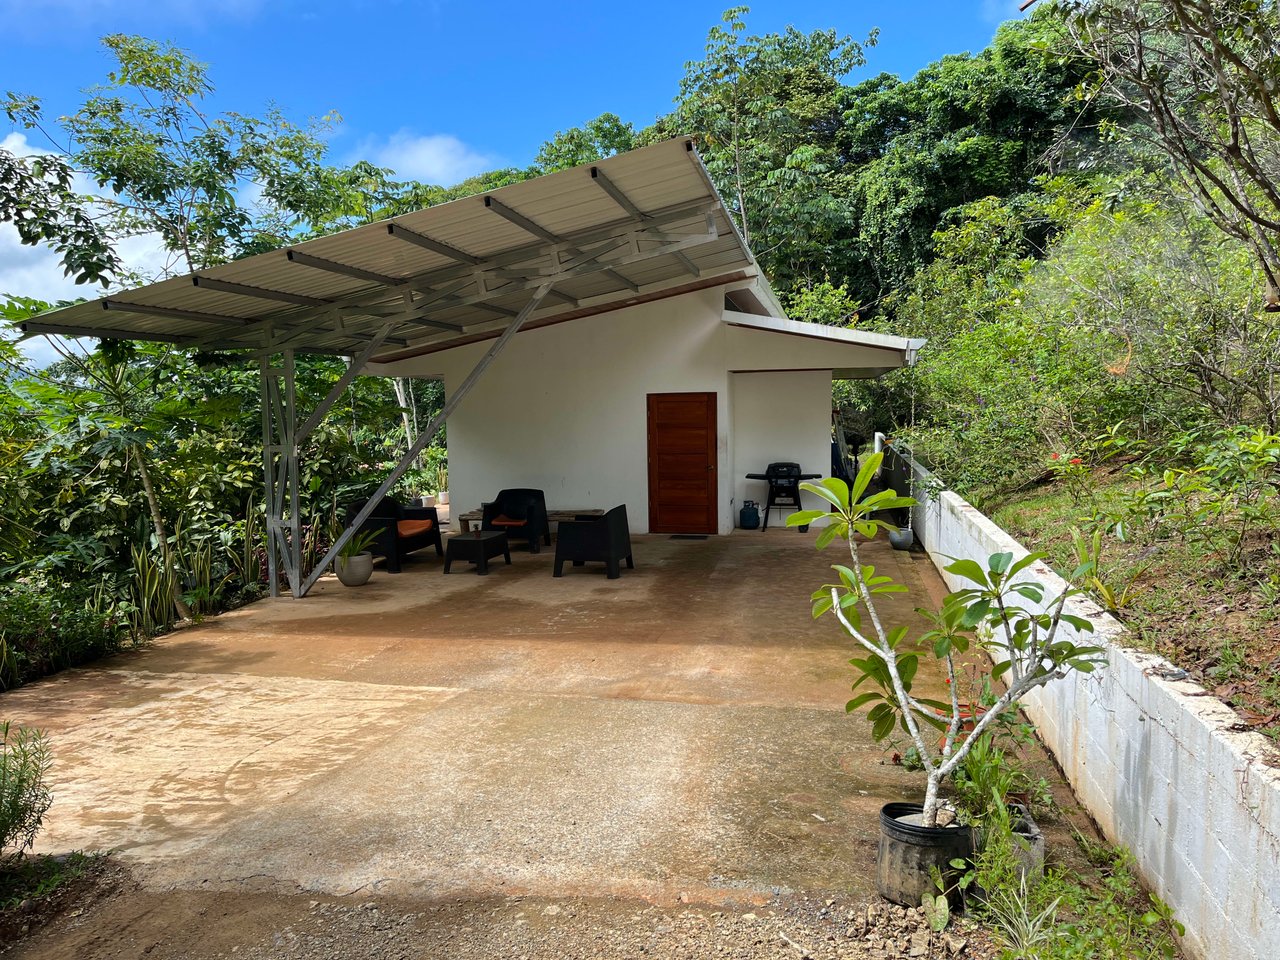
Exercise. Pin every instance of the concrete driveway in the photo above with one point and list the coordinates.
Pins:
(680, 730)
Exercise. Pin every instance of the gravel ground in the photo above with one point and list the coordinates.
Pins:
(519, 929)
(109, 915)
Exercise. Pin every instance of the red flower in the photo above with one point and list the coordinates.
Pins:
(1076, 461)
(1053, 456)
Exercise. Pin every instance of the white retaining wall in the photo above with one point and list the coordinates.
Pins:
(1154, 761)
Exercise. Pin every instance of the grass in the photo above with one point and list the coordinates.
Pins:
(1178, 595)
(1090, 906)
(33, 878)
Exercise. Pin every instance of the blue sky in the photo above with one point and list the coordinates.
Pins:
(449, 87)
(437, 90)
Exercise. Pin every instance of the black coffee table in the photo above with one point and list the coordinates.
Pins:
(477, 548)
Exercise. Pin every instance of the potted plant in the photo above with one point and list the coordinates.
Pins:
(442, 485)
(1022, 640)
(994, 796)
(354, 565)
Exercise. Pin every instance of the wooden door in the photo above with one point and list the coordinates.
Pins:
(682, 463)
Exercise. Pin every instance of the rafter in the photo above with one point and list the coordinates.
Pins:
(621, 199)
(520, 282)
(345, 269)
(538, 230)
(429, 243)
(174, 313)
(258, 293)
(429, 280)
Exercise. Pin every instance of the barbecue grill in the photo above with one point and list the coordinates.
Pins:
(784, 486)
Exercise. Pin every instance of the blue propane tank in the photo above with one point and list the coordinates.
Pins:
(749, 515)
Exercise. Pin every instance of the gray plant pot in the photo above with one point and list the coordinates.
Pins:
(354, 571)
(902, 538)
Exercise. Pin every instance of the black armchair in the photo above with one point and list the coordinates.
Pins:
(400, 530)
(606, 539)
(520, 513)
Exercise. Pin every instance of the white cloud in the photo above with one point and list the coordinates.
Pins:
(437, 158)
(18, 144)
(35, 271)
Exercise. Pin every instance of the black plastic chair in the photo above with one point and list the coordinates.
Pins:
(400, 530)
(604, 539)
(521, 514)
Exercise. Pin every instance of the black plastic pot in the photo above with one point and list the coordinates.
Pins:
(1028, 848)
(908, 852)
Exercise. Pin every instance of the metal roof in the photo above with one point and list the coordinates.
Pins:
(632, 227)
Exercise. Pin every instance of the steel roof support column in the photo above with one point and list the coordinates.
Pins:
(280, 472)
(426, 436)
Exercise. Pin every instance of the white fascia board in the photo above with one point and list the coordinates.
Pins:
(819, 331)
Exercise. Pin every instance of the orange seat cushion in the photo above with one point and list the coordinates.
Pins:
(502, 520)
(410, 528)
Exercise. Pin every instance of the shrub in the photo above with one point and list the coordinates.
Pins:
(24, 798)
(47, 626)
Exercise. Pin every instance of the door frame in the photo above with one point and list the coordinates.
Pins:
(713, 460)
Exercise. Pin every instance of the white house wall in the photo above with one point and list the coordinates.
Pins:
(781, 416)
(563, 408)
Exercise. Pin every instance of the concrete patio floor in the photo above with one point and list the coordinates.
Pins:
(680, 730)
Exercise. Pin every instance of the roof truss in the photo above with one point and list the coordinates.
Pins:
(412, 305)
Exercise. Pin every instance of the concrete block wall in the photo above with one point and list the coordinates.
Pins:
(1155, 762)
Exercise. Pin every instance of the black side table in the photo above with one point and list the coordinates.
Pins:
(477, 548)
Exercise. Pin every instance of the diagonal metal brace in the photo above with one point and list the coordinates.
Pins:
(425, 437)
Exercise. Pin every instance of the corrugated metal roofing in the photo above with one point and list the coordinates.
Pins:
(666, 182)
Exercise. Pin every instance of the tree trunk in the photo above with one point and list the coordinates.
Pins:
(398, 384)
(932, 800)
(157, 521)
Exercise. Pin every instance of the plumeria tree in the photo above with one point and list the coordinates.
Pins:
(1003, 613)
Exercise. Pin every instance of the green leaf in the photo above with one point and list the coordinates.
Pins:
(882, 727)
(907, 667)
(1080, 623)
(870, 465)
(826, 494)
(974, 614)
(968, 569)
(826, 535)
(840, 490)
(1025, 562)
(862, 700)
(803, 518)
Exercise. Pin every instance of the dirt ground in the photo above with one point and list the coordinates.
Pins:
(510, 765)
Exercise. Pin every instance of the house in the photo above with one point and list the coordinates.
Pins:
(603, 333)
(665, 406)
